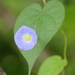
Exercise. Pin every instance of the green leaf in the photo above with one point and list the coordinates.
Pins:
(52, 66)
(45, 22)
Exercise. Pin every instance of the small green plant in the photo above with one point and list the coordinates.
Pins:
(45, 22)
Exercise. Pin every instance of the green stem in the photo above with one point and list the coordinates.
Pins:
(63, 73)
(44, 2)
(65, 47)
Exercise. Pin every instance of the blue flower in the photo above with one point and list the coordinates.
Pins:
(25, 38)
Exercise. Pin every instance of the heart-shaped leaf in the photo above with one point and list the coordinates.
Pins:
(52, 66)
(45, 22)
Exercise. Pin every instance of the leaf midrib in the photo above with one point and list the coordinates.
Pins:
(56, 67)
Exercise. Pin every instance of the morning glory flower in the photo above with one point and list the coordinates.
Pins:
(25, 38)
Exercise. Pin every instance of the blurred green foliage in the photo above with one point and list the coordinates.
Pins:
(11, 59)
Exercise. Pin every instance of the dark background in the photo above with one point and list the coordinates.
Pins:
(11, 59)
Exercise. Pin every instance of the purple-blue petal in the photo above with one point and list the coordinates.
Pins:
(28, 46)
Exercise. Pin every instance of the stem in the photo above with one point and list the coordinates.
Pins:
(65, 47)
(44, 2)
(63, 72)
